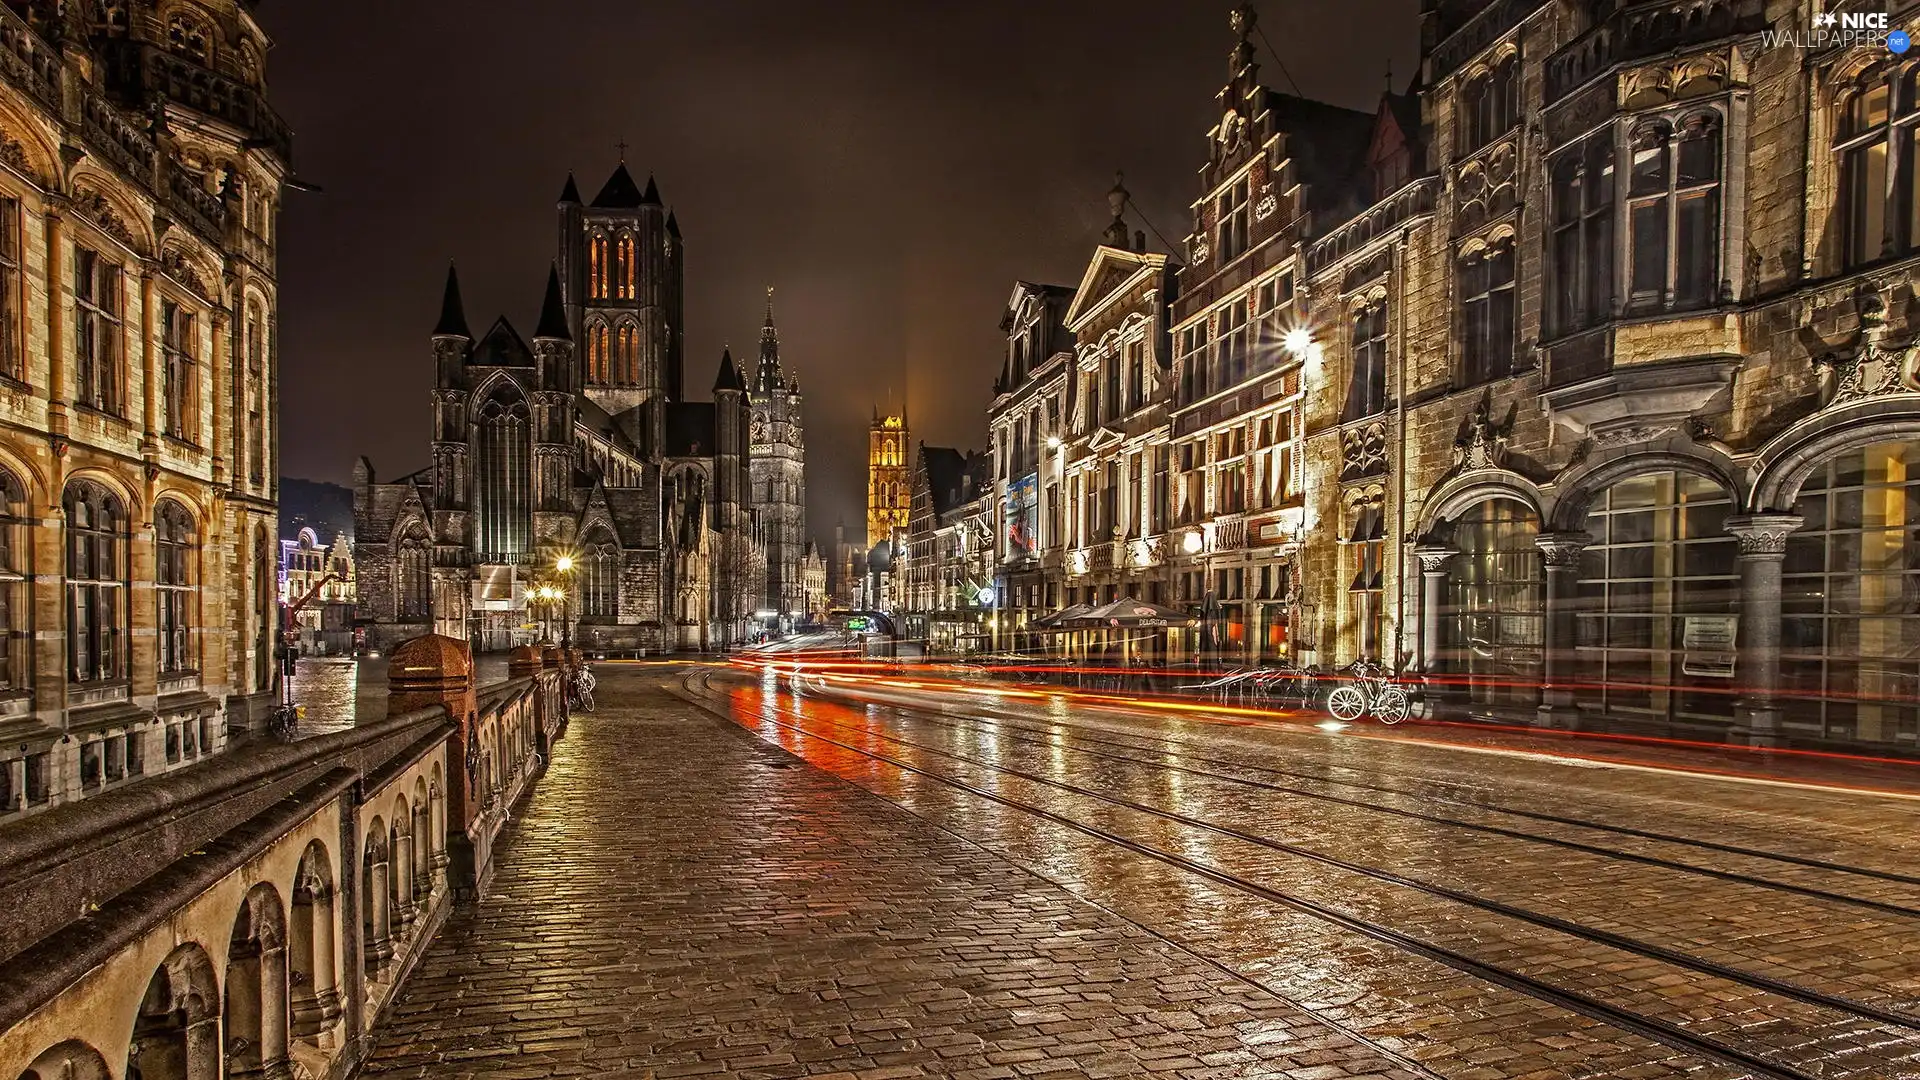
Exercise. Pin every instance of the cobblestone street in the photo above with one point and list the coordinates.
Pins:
(1092, 893)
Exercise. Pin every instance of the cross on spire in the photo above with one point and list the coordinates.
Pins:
(622, 147)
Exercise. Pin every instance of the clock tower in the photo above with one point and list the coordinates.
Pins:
(777, 464)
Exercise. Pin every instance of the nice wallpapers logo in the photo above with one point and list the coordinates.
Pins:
(1842, 29)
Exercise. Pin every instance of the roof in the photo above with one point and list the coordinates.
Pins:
(1327, 143)
(728, 377)
(690, 429)
(453, 315)
(502, 347)
(553, 312)
(621, 193)
(570, 193)
(946, 470)
(589, 414)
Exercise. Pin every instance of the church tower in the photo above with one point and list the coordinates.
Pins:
(622, 279)
(888, 479)
(778, 467)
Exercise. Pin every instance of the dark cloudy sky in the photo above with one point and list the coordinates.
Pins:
(891, 168)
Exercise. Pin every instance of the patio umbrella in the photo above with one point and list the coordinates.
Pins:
(1128, 613)
(1052, 621)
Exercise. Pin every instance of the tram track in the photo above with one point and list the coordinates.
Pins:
(1586, 1004)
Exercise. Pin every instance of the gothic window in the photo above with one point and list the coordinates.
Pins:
(96, 573)
(1487, 313)
(1231, 228)
(256, 346)
(1878, 211)
(98, 336)
(189, 37)
(1674, 213)
(597, 258)
(624, 276)
(1367, 393)
(1490, 104)
(174, 585)
(182, 371)
(627, 356)
(1582, 253)
(13, 359)
(505, 475)
(14, 574)
(1366, 547)
(413, 588)
(599, 584)
(599, 370)
(1193, 359)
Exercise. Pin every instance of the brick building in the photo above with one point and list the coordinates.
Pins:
(141, 171)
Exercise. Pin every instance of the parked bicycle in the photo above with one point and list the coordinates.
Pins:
(583, 685)
(1371, 691)
(1296, 687)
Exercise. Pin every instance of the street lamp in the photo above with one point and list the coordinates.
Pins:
(563, 565)
(1053, 442)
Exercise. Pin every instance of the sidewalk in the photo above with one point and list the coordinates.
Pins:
(680, 899)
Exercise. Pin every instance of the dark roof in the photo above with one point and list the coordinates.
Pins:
(1327, 143)
(570, 193)
(946, 470)
(588, 413)
(620, 192)
(728, 377)
(690, 429)
(652, 197)
(502, 347)
(673, 224)
(453, 316)
(553, 313)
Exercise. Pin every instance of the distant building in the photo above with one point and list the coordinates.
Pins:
(813, 584)
(889, 478)
(947, 588)
(777, 463)
(320, 568)
(846, 571)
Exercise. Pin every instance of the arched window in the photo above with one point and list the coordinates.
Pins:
(626, 370)
(1487, 314)
(174, 581)
(505, 473)
(599, 582)
(1878, 213)
(625, 277)
(413, 591)
(1367, 393)
(189, 37)
(597, 266)
(1582, 196)
(266, 608)
(599, 363)
(178, 344)
(1674, 214)
(1498, 591)
(15, 572)
(1489, 105)
(96, 573)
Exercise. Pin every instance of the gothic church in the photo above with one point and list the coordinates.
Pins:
(575, 465)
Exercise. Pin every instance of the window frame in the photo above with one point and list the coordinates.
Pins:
(176, 588)
(1484, 291)
(180, 371)
(99, 327)
(97, 629)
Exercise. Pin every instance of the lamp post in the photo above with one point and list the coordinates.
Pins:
(563, 565)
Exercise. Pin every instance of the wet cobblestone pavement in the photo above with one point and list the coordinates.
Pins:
(1047, 889)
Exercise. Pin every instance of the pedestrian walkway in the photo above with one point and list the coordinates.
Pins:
(680, 899)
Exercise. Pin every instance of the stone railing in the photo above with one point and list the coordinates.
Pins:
(1228, 534)
(255, 915)
(28, 61)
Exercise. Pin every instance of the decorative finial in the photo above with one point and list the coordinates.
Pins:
(1242, 20)
(1117, 198)
(622, 147)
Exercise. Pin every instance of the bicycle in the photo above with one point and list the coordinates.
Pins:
(1371, 691)
(1297, 686)
(583, 684)
(283, 722)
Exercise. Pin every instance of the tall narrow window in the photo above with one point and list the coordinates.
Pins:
(1162, 487)
(413, 591)
(626, 267)
(1231, 230)
(1878, 212)
(1193, 362)
(13, 360)
(98, 342)
(1230, 361)
(1136, 375)
(182, 372)
(96, 573)
(1367, 544)
(175, 596)
(504, 471)
(599, 583)
(15, 571)
(1486, 302)
(597, 267)
(1367, 394)
(1110, 372)
(1582, 199)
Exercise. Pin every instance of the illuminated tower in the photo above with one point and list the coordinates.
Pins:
(778, 466)
(888, 480)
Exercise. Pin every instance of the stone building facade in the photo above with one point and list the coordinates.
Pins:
(1578, 380)
(574, 463)
(318, 572)
(778, 464)
(141, 172)
(889, 479)
(947, 590)
(1026, 423)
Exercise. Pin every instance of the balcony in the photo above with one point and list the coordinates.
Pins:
(1227, 533)
(142, 72)
(1637, 31)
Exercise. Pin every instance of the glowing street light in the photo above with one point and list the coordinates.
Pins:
(1191, 542)
(564, 564)
(1053, 442)
(1298, 341)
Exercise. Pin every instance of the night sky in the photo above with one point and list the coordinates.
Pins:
(890, 168)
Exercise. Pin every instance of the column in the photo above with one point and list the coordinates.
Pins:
(1763, 547)
(1560, 552)
(379, 943)
(274, 1006)
(400, 866)
(203, 1049)
(1433, 584)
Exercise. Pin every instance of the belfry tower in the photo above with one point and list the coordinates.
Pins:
(777, 464)
(889, 483)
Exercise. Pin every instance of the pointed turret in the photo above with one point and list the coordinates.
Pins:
(729, 376)
(768, 377)
(620, 192)
(652, 196)
(570, 195)
(673, 225)
(553, 312)
(453, 315)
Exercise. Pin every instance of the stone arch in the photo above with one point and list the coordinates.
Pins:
(257, 1006)
(25, 150)
(314, 994)
(1785, 461)
(400, 863)
(115, 485)
(176, 1031)
(376, 916)
(1576, 488)
(189, 264)
(98, 199)
(174, 491)
(69, 1060)
(1460, 492)
(33, 485)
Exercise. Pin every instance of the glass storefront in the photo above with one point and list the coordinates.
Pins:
(1850, 607)
(1498, 586)
(1660, 574)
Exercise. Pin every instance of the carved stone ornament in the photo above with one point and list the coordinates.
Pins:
(1200, 252)
(1433, 557)
(1629, 434)
(15, 157)
(93, 206)
(1268, 203)
(1764, 536)
(174, 263)
(1363, 451)
(1562, 550)
(1483, 442)
(1872, 368)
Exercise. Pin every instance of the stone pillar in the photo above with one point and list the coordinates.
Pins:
(1433, 585)
(274, 1014)
(1763, 548)
(526, 662)
(400, 865)
(316, 1007)
(379, 939)
(423, 853)
(434, 670)
(203, 1049)
(1560, 552)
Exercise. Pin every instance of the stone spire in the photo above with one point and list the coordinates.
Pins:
(453, 314)
(553, 313)
(769, 377)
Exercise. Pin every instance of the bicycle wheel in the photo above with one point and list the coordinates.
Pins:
(586, 700)
(1347, 703)
(1392, 705)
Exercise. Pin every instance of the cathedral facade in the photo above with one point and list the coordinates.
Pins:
(777, 463)
(575, 493)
